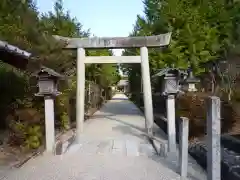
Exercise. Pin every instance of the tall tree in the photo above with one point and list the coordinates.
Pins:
(202, 32)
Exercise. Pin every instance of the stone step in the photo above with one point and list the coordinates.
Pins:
(123, 147)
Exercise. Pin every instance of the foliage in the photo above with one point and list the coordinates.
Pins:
(202, 32)
(25, 128)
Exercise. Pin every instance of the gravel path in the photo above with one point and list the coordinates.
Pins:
(113, 147)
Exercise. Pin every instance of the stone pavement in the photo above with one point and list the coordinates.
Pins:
(113, 146)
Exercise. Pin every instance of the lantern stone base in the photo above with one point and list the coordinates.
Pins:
(64, 142)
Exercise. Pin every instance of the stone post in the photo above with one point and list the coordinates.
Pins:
(49, 124)
(171, 123)
(213, 139)
(183, 146)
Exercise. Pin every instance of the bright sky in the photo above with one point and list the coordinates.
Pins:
(102, 17)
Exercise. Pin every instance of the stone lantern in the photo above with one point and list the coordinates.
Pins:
(169, 80)
(47, 82)
(47, 88)
(190, 82)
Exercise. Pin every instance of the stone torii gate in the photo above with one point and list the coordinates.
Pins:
(142, 42)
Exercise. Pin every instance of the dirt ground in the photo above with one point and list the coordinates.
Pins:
(12, 156)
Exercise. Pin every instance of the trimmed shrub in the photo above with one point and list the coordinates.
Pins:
(194, 106)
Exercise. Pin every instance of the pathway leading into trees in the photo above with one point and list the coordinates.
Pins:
(113, 147)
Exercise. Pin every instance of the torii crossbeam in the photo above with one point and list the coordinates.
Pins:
(116, 42)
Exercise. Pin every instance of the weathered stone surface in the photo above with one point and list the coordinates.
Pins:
(117, 42)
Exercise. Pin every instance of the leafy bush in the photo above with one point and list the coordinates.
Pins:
(64, 121)
(13, 88)
(26, 128)
(33, 136)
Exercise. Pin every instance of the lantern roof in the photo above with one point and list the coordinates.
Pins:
(191, 78)
(165, 71)
(49, 72)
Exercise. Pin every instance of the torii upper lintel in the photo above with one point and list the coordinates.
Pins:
(116, 42)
